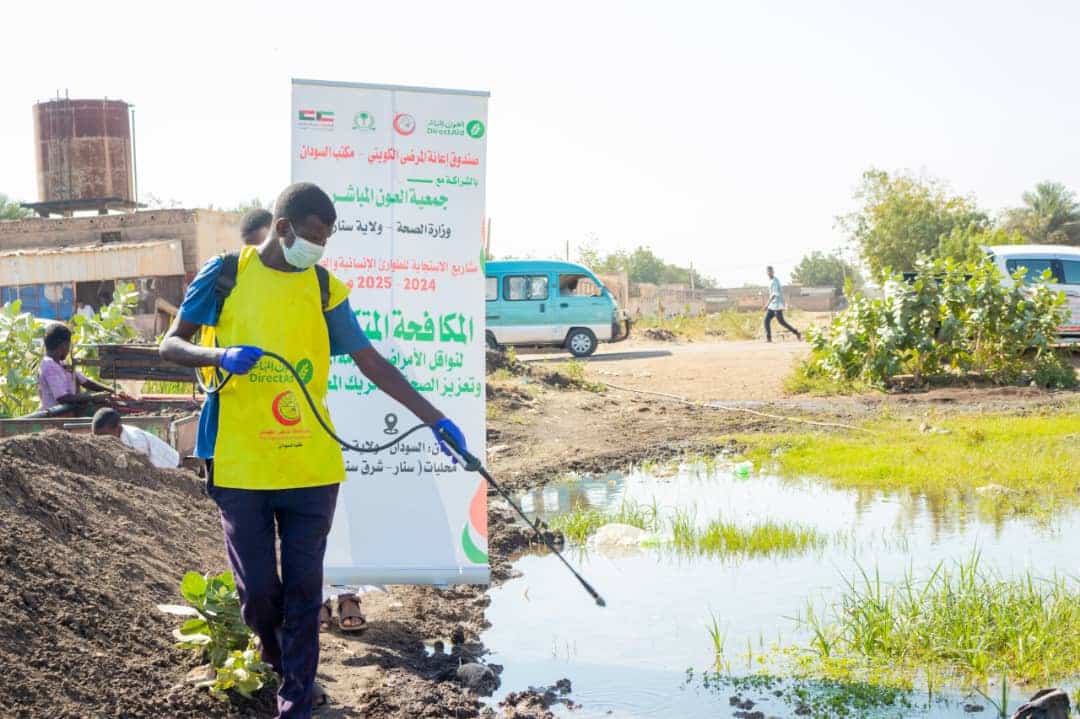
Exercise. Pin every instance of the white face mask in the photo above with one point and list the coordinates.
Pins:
(303, 253)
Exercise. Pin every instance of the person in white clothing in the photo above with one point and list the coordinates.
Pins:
(776, 307)
(107, 421)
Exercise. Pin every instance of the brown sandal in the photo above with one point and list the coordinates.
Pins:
(349, 617)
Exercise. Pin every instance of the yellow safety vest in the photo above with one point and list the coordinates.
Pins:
(267, 436)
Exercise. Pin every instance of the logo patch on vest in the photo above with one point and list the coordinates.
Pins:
(286, 408)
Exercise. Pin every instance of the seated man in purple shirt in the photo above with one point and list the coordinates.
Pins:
(57, 383)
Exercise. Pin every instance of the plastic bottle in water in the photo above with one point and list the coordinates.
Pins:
(743, 469)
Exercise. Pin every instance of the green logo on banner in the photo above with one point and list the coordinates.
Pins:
(475, 129)
(363, 121)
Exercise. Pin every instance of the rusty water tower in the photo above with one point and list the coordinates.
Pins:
(84, 155)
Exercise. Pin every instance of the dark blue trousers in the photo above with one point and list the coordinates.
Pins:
(779, 315)
(282, 609)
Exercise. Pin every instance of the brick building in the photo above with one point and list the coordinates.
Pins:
(57, 265)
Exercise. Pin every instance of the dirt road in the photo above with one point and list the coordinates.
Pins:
(737, 370)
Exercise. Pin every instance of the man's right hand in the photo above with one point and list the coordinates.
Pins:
(240, 359)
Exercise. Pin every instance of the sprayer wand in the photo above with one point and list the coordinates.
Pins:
(469, 462)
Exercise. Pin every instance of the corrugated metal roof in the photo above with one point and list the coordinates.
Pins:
(89, 263)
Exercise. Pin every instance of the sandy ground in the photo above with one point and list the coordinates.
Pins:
(736, 370)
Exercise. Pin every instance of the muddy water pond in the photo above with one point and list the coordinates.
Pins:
(644, 654)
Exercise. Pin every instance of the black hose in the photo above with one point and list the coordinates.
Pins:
(469, 462)
(311, 403)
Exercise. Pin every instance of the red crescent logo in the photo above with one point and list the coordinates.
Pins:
(286, 409)
(404, 123)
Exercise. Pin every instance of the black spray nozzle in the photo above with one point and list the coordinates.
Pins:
(468, 460)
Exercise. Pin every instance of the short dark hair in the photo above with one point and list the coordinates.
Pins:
(300, 200)
(254, 220)
(104, 419)
(56, 335)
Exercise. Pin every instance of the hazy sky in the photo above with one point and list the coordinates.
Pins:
(728, 134)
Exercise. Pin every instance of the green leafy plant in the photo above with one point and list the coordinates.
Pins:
(215, 628)
(953, 318)
(215, 631)
(20, 355)
(21, 347)
(108, 326)
(243, 671)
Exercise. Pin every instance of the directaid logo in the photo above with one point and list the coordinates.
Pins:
(306, 370)
(475, 129)
(404, 123)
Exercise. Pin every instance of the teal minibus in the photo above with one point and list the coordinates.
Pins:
(542, 302)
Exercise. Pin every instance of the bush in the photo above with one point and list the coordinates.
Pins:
(953, 318)
(21, 348)
(20, 355)
(108, 326)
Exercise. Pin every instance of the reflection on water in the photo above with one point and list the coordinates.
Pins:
(631, 658)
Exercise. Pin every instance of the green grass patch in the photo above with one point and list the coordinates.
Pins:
(961, 623)
(721, 538)
(1005, 462)
(766, 538)
(805, 380)
(725, 325)
(718, 538)
(814, 698)
(569, 374)
(582, 522)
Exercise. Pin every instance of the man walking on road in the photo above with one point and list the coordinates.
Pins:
(272, 470)
(775, 308)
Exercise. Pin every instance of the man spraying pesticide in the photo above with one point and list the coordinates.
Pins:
(274, 467)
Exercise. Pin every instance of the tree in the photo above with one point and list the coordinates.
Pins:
(966, 244)
(157, 203)
(1048, 216)
(642, 265)
(12, 210)
(901, 217)
(818, 269)
(253, 204)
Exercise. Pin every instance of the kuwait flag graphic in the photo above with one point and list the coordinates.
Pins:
(308, 115)
(324, 116)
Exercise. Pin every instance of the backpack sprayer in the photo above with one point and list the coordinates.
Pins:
(468, 461)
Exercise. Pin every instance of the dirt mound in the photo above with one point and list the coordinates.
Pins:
(509, 397)
(91, 538)
(501, 359)
(660, 334)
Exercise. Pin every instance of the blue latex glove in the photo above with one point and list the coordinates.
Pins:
(447, 425)
(240, 359)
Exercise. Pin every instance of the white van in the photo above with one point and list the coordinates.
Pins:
(1064, 265)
